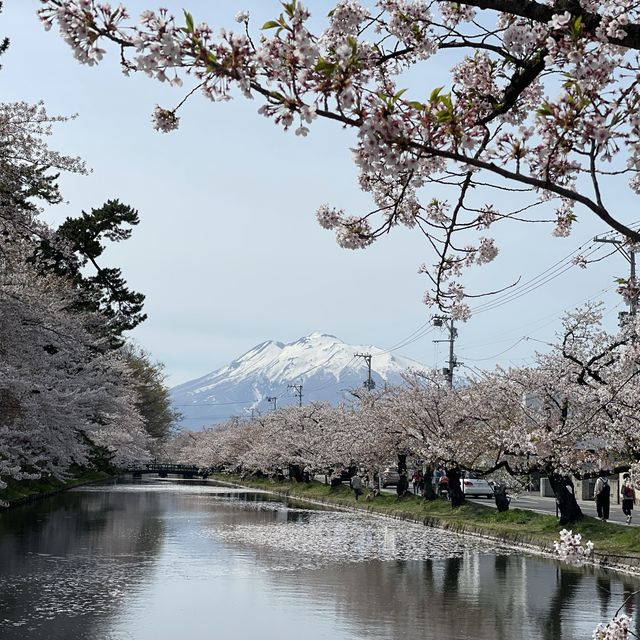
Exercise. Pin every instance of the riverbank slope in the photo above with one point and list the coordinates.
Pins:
(23, 491)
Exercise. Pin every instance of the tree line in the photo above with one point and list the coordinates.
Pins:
(73, 391)
(573, 413)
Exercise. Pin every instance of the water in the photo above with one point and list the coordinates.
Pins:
(168, 561)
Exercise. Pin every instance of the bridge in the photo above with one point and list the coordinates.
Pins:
(187, 471)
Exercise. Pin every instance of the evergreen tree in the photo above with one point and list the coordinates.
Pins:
(77, 245)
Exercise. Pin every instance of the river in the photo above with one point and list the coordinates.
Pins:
(164, 560)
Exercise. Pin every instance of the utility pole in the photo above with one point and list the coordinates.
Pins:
(439, 321)
(274, 400)
(369, 383)
(298, 394)
(628, 250)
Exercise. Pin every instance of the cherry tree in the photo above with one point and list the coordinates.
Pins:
(64, 393)
(542, 103)
(571, 414)
(438, 425)
(574, 413)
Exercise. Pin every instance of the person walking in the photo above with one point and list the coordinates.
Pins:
(416, 478)
(602, 494)
(356, 485)
(628, 495)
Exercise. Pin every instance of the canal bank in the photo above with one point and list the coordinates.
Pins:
(21, 492)
(617, 547)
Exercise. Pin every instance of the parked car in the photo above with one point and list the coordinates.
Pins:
(473, 485)
(389, 476)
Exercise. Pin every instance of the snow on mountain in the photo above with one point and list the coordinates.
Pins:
(327, 368)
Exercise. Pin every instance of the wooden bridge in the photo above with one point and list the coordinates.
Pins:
(187, 471)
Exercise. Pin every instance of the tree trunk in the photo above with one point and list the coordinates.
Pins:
(428, 492)
(402, 486)
(565, 497)
(455, 491)
(295, 473)
(402, 463)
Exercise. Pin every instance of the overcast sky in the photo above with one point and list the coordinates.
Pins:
(228, 252)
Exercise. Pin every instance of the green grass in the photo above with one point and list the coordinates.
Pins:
(16, 491)
(516, 525)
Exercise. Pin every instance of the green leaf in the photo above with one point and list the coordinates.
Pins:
(290, 7)
(270, 24)
(322, 66)
(418, 106)
(189, 18)
(435, 94)
(398, 95)
(576, 27)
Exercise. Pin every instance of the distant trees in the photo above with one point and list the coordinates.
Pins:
(152, 396)
(574, 413)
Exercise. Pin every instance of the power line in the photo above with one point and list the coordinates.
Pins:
(554, 317)
(515, 344)
(550, 273)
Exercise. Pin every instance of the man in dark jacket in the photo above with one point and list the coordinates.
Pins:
(602, 494)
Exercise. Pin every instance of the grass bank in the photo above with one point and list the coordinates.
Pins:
(617, 546)
(18, 492)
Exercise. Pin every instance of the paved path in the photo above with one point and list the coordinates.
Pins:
(534, 502)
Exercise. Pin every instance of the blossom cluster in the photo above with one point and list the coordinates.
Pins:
(570, 548)
(538, 102)
(616, 629)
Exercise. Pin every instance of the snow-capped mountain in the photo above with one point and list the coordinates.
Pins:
(326, 367)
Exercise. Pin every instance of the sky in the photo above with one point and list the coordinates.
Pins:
(228, 252)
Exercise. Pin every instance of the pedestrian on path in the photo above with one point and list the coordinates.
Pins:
(356, 485)
(602, 493)
(628, 495)
(416, 479)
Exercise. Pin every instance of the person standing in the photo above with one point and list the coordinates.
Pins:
(628, 495)
(602, 493)
(356, 485)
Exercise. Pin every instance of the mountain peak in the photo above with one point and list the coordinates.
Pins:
(325, 366)
(317, 336)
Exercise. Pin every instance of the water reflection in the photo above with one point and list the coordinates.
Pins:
(67, 563)
(156, 561)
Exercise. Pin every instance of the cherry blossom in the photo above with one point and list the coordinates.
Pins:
(570, 548)
(63, 390)
(541, 101)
